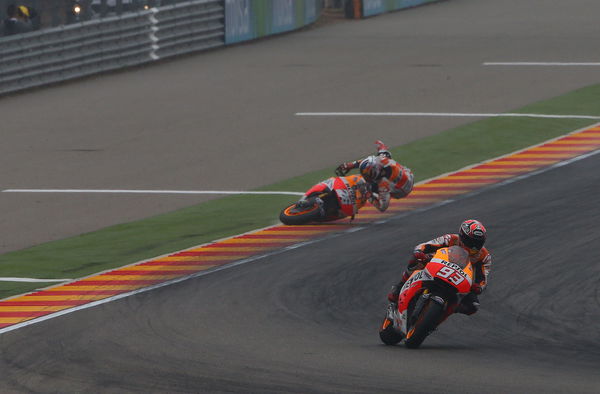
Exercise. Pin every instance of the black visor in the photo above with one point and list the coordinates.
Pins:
(474, 242)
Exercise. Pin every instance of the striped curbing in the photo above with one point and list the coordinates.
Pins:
(27, 307)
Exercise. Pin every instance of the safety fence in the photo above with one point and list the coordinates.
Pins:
(147, 34)
(44, 14)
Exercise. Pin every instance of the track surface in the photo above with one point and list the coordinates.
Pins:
(306, 320)
(225, 119)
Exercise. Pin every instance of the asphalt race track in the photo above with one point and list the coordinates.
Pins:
(306, 320)
(181, 125)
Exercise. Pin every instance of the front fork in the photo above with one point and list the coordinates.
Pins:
(393, 319)
(318, 199)
(423, 298)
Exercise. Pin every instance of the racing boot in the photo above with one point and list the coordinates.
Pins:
(382, 149)
(469, 305)
(395, 290)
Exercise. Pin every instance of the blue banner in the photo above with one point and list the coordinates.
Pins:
(239, 23)
(376, 7)
(284, 16)
(250, 19)
(373, 7)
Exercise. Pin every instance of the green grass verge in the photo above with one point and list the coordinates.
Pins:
(124, 244)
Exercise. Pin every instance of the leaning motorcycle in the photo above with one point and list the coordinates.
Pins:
(428, 297)
(332, 199)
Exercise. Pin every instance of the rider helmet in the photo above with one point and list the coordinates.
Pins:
(370, 168)
(472, 234)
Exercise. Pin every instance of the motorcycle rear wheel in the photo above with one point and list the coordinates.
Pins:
(426, 323)
(294, 215)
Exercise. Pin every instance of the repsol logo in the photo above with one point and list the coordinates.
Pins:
(454, 267)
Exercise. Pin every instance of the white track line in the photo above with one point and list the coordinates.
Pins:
(279, 251)
(543, 64)
(448, 114)
(8, 279)
(142, 191)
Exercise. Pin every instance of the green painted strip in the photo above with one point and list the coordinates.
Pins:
(128, 243)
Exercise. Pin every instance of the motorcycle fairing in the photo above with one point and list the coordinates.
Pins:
(350, 192)
(321, 187)
(346, 197)
(411, 289)
(451, 272)
(358, 188)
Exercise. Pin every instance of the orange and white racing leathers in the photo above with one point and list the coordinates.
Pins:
(399, 180)
(395, 180)
(480, 259)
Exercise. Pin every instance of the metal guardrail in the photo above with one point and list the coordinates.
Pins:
(71, 51)
(185, 28)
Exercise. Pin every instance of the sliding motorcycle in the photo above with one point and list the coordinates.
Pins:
(428, 297)
(332, 199)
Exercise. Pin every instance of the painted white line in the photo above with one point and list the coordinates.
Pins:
(9, 279)
(144, 191)
(543, 64)
(288, 248)
(305, 243)
(159, 285)
(448, 114)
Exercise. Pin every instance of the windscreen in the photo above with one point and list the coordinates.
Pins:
(458, 255)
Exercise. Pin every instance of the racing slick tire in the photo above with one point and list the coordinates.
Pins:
(388, 334)
(426, 322)
(298, 215)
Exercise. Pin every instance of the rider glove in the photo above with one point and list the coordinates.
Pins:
(394, 293)
(476, 288)
(343, 169)
(421, 257)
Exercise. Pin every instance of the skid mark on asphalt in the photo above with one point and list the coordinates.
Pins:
(33, 307)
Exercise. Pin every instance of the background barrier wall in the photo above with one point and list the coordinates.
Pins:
(251, 19)
(75, 50)
(147, 34)
(375, 7)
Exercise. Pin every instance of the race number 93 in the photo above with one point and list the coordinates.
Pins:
(450, 274)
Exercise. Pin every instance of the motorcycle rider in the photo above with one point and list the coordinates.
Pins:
(471, 236)
(386, 177)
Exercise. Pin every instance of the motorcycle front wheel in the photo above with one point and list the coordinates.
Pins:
(388, 334)
(426, 322)
(298, 215)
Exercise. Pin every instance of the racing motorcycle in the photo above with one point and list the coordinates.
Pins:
(332, 199)
(428, 297)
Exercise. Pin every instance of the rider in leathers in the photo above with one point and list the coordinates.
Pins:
(386, 177)
(471, 237)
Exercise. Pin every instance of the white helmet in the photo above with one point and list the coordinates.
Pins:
(370, 168)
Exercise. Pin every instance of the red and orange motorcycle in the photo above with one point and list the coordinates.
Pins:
(428, 297)
(332, 199)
